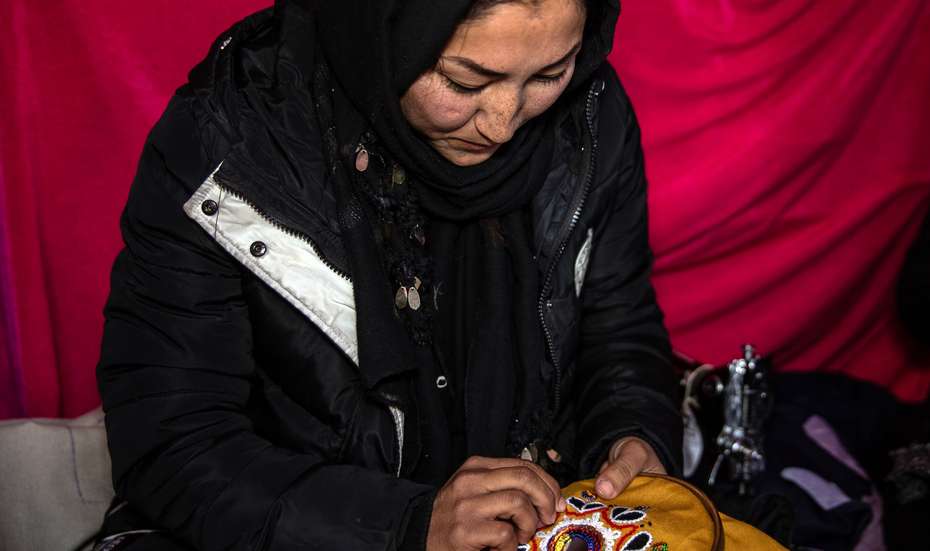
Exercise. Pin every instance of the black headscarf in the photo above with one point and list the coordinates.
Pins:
(372, 51)
(377, 48)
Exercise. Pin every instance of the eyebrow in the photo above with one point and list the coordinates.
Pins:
(489, 73)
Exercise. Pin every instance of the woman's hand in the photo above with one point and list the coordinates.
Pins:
(493, 504)
(627, 458)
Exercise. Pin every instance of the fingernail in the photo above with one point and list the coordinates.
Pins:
(605, 488)
(561, 505)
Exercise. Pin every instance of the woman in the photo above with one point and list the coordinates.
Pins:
(385, 277)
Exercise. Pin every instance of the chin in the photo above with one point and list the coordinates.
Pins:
(466, 158)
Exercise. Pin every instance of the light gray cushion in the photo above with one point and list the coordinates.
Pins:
(54, 482)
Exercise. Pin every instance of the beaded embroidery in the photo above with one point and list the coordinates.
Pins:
(600, 527)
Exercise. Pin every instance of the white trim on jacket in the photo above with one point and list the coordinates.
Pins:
(288, 264)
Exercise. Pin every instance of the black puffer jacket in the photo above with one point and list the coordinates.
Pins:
(236, 414)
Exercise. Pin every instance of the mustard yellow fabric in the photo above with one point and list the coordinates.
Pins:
(740, 535)
(655, 513)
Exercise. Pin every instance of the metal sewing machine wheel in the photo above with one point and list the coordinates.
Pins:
(747, 403)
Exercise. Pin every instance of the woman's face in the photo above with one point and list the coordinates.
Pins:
(497, 72)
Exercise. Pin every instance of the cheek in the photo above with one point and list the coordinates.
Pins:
(431, 108)
(538, 102)
(540, 98)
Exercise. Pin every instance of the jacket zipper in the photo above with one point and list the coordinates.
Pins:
(288, 230)
(596, 88)
(396, 413)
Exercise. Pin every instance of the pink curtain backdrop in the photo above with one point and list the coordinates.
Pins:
(787, 149)
(782, 139)
(83, 83)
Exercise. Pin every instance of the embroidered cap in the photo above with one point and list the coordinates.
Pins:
(655, 513)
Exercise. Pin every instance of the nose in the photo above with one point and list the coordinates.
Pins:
(496, 121)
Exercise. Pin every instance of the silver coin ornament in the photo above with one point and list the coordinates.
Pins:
(400, 299)
(398, 176)
(413, 298)
(361, 160)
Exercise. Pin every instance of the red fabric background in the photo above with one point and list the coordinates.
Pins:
(787, 150)
(84, 82)
(784, 148)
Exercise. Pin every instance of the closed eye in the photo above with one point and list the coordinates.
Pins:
(550, 79)
(459, 87)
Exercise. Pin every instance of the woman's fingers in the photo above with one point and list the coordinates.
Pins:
(489, 463)
(490, 534)
(508, 505)
(519, 478)
(627, 458)
(492, 504)
(498, 520)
